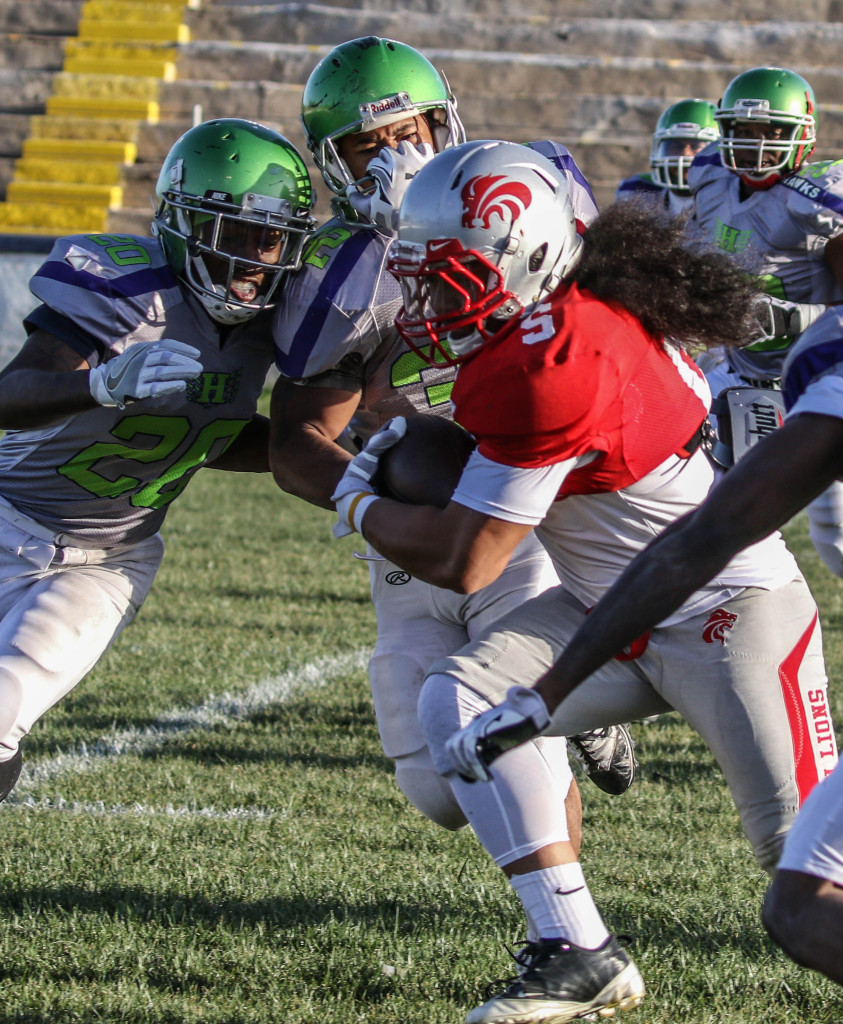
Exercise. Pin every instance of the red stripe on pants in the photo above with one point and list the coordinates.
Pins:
(807, 775)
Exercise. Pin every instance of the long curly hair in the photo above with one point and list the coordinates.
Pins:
(658, 268)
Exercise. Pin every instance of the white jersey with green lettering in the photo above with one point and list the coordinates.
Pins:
(107, 476)
(782, 230)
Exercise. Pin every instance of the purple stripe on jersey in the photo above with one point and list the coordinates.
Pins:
(564, 161)
(637, 185)
(344, 260)
(704, 159)
(805, 187)
(137, 282)
(808, 365)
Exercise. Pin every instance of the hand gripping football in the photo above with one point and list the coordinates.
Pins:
(423, 468)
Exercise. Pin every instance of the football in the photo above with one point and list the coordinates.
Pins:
(424, 466)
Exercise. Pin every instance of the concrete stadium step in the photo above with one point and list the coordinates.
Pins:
(63, 15)
(95, 57)
(50, 219)
(57, 17)
(508, 73)
(79, 172)
(717, 10)
(708, 39)
(24, 91)
(35, 53)
(65, 193)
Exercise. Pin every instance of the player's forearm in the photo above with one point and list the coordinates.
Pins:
(453, 548)
(30, 399)
(309, 465)
(249, 452)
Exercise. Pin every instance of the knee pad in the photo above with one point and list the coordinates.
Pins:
(396, 681)
(445, 706)
(427, 791)
(11, 700)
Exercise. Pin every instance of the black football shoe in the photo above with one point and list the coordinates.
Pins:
(561, 982)
(607, 756)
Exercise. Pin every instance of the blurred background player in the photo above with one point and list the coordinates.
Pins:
(803, 908)
(374, 111)
(588, 425)
(683, 130)
(143, 362)
(756, 197)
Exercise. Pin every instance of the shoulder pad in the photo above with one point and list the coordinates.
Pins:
(106, 284)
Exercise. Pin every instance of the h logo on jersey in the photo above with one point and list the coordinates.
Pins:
(488, 194)
(731, 239)
(718, 625)
(213, 388)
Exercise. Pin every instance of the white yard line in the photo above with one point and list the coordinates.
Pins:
(227, 709)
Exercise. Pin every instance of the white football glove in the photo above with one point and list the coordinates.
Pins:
(145, 370)
(391, 172)
(355, 490)
(519, 718)
(779, 318)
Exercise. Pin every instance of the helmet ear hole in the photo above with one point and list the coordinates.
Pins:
(534, 263)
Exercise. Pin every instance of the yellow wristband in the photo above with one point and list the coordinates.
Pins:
(355, 504)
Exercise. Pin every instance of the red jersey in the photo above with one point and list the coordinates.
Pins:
(576, 376)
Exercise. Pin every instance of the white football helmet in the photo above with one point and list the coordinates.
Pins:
(485, 230)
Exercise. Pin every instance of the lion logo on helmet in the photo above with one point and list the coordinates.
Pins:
(489, 195)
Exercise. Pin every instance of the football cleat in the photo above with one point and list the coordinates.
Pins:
(607, 756)
(562, 982)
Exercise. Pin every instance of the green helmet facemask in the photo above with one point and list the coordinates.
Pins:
(233, 213)
(368, 83)
(683, 129)
(782, 104)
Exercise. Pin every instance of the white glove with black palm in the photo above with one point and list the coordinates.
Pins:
(779, 318)
(521, 717)
(355, 490)
(145, 370)
(391, 172)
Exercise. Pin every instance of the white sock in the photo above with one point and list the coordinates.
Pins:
(558, 905)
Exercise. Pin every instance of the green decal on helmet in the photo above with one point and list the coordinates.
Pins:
(233, 212)
(683, 129)
(774, 103)
(367, 83)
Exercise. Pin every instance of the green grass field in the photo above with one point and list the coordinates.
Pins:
(207, 831)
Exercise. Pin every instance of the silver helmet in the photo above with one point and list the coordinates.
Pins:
(485, 230)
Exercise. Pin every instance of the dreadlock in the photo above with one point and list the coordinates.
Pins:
(655, 266)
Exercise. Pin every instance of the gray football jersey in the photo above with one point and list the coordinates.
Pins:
(340, 308)
(107, 476)
(784, 229)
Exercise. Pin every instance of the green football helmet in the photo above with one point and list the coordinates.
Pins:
(233, 213)
(773, 97)
(682, 130)
(368, 83)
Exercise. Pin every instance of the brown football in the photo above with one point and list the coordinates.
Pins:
(424, 466)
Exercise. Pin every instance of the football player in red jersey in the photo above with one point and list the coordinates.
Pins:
(587, 412)
(374, 110)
